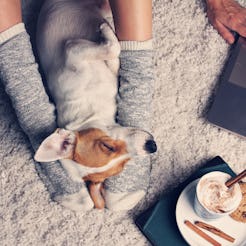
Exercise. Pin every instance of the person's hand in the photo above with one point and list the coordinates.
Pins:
(227, 16)
(10, 13)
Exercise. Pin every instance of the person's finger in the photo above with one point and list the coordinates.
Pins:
(224, 31)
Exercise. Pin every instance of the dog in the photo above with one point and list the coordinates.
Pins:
(79, 55)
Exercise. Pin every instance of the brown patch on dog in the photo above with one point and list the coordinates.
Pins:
(95, 149)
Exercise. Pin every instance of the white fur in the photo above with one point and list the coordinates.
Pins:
(84, 94)
(81, 74)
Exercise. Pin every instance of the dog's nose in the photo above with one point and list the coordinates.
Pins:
(150, 146)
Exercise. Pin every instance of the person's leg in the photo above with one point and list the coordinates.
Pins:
(125, 190)
(132, 19)
(36, 115)
(136, 86)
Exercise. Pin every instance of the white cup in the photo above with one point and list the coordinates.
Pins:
(213, 199)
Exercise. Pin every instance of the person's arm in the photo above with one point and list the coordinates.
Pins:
(132, 19)
(227, 16)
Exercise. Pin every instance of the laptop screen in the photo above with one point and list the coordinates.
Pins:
(238, 75)
(228, 110)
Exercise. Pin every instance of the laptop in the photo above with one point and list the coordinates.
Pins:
(228, 110)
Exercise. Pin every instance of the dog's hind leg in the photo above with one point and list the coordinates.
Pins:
(77, 50)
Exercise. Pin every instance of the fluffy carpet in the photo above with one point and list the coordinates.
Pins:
(190, 56)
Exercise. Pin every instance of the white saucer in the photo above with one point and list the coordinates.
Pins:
(185, 211)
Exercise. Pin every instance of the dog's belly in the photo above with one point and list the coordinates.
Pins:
(86, 96)
(84, 93)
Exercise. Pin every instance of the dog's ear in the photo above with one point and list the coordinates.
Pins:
(59, 145)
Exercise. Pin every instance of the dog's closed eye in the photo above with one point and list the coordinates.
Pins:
(107, 147)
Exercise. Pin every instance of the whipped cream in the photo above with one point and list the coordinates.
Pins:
(214, 195)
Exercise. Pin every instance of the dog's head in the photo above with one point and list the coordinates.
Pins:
(96, 148)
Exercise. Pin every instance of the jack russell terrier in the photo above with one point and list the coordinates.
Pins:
(79, 52)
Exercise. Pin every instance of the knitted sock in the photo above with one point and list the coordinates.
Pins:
(124, 191)
(36, 115)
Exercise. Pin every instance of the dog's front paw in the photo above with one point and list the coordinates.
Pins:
(111, 41)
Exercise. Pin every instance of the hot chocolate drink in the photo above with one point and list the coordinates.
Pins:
(214, 198)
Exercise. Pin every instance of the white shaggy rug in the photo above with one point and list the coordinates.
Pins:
(189, 58)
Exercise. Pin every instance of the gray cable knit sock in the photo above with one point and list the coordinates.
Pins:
(36, 115)
(134, 109)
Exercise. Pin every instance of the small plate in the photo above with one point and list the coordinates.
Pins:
(185, 211)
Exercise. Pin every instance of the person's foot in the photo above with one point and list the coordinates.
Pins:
(80, 201)
(125, 190)
(122, 201)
